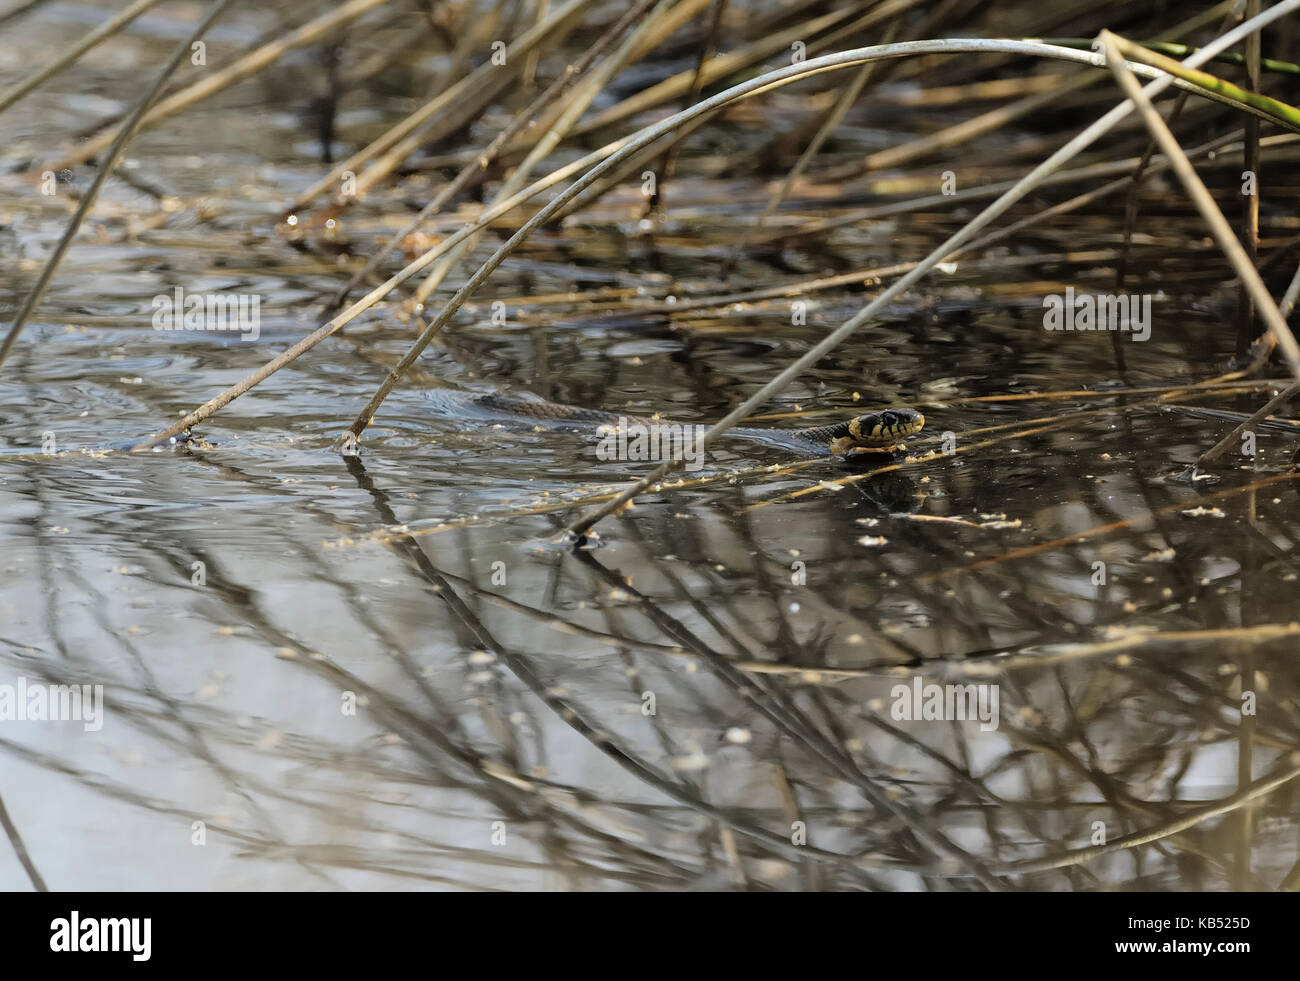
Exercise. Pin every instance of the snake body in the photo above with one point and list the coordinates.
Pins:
(873, 432)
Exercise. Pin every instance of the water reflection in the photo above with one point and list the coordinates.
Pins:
(375, 672)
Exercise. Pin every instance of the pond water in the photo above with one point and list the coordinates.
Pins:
(381, 672)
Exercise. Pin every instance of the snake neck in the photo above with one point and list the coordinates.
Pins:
(822, 434)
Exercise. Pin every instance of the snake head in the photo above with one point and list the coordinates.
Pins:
(880, 432)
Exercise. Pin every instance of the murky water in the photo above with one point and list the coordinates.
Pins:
(378, 673)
